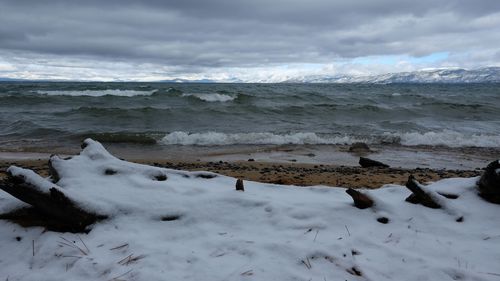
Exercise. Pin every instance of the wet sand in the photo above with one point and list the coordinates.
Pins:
(300, 174)
(302, 165)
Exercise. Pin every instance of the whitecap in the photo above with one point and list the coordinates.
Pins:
(443, 138)
(98, 93)
(213, 97)
(217, 138)
(447, 138)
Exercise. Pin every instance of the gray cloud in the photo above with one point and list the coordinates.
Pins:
(194, 35)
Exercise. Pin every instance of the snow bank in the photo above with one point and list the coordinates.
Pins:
(189, 227)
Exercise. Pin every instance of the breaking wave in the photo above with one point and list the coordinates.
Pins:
(444, 138)
(98, 93)
(214, 97)
(216, 138)
(447, 138)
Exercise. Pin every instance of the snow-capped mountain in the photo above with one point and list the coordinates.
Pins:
(455, 75)
(481, 75)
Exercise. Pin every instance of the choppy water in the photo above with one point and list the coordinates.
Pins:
(225, 114)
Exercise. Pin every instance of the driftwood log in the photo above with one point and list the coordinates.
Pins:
(50, 203)
(489, 183)
(239, 185)
(367, 162)
(361, 200)
(419, 196)
(52, 206)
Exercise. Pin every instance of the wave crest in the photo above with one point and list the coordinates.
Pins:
(446, 138)
(215, 138)
(443, 138)
(214, 97)
(98, 93)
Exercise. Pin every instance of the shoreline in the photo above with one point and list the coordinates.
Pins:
(299, 174)
(301, 165)
(395, 155)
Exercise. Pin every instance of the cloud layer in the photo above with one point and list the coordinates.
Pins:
(223, 38)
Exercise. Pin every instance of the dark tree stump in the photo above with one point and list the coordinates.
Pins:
(361, 201)
(239, 185)
(419, 196)
(366, 162)
(489, 183)
(54, 204)
(54, 174)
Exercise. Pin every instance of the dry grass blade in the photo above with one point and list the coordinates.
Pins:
(69, 256)
(348, 232)
(134, 259)
(72, 245)
(247, 273)
(119, 247)
(130, 259)
(307, 263)
(70, 242)
(88, 250)
(124, 260)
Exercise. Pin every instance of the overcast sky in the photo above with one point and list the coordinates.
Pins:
(254, 40)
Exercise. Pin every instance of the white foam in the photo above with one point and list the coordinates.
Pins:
(99, 93)
(447, 138)
(214, 97)
(216, 138)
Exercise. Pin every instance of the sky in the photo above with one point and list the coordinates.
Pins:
(235, 40)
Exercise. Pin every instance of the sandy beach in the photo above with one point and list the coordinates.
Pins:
(300, 174)
(301, 165)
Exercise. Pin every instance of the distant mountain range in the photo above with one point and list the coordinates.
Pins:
(456, 75)
(480, 75)
(4, 79)
(179, 80)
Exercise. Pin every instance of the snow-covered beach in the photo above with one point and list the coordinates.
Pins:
(249, 140)
(191, 227)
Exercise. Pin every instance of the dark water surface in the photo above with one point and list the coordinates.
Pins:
(162, 114)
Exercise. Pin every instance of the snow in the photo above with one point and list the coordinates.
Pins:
(267, 232)
(31, 177)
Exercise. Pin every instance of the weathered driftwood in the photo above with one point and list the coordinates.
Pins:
(366, 162)
(361, 200)
(54, 174)
(419, 196)
(489, 183)
(239, 185)
(54, 205)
